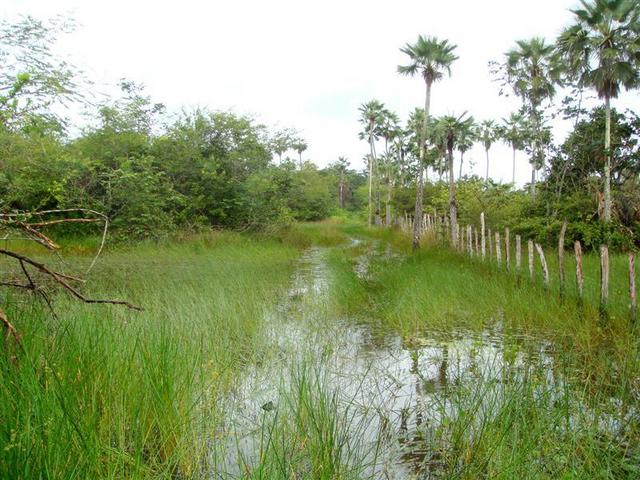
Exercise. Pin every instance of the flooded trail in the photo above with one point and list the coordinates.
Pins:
(390, 394)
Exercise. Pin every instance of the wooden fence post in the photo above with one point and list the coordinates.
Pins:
(561, 257)
(543, 262)
(483, 241)
(579, 273)
(604, 278)
(477, 242)
(633, 307)
(507, 247)
(530, 248)
(518, 252)
(498, 252)
(490, 244)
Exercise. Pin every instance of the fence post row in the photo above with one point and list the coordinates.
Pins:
(474, 243)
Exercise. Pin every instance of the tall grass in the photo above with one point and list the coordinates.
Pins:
(104, 393)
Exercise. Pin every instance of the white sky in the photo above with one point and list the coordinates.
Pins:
(307, 65)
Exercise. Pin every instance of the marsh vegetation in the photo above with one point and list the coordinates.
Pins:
(185, 294)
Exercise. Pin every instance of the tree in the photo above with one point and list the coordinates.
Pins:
(512, 131)
(371, 115)
(487, 133)
(299, 146)
(390, 131)
(33, 79)
(601, 51)
(533, 69)
(451, 129)
(582, 153)
(282, 141)
(431, 58)
(342, 166)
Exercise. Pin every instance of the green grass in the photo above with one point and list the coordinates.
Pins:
(108, 393)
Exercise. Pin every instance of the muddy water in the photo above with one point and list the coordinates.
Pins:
(394, 391)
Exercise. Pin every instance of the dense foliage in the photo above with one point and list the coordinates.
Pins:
(150, 172)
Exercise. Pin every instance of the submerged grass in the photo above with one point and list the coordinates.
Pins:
(581, 423)
(310, 433)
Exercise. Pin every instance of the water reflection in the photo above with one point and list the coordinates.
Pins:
(399, 388)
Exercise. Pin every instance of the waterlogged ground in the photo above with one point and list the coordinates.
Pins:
(382, 405)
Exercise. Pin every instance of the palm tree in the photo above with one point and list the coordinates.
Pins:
(299, 146)
(466, 138)
(371, 115)
(512, 131)
(601, 51)
(390, 130)
(487, 134)
(451, 129)
(431, 58)
(341, 165)
(281, 142)
(533, 70)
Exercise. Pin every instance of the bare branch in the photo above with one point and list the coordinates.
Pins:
(60, 279)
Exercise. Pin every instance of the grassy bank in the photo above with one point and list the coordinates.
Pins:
(574, 416)
(107, 393)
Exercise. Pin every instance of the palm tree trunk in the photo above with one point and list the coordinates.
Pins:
(532, 189)
(376, 168)
(417, 223)
(513, 167)
(487, 176)
(371, 157)
(453, 207)
(461, 162)
(389, 189)
(607, 163)
(300, 156)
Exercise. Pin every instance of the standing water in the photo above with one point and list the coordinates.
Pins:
(382, 404)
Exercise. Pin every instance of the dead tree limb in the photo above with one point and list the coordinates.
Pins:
(29, 229)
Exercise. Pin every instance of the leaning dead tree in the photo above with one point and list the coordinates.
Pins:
(40, 278)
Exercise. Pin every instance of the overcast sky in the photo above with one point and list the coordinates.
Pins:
(307, 65)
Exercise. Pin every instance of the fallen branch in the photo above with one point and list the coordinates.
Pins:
(60, 279)
(20, 221)
(29, 230)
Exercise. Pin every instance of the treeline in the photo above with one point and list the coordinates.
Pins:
(590, 179)
(570, 189)
(148, 171)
